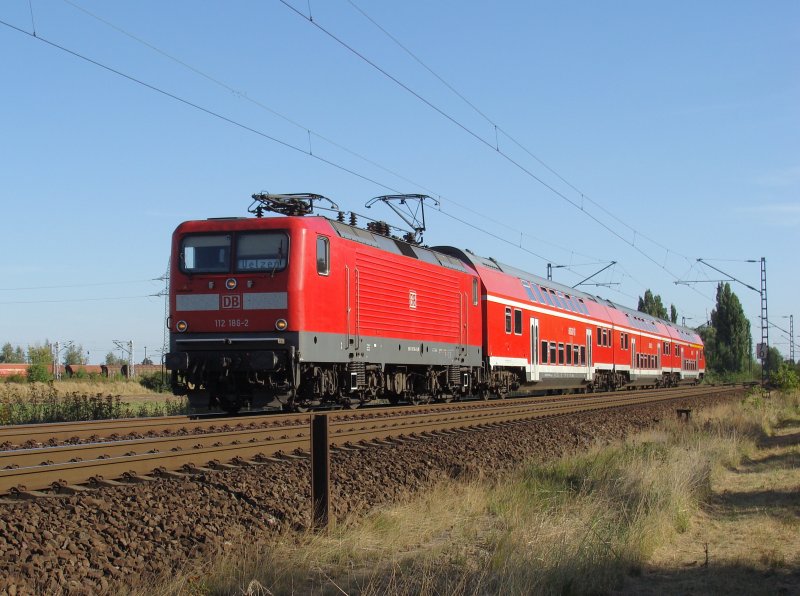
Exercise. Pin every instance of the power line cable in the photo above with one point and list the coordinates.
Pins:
(106, 283)
(244, 95)
(230, 121)
(197, 106)
(482, 140)
(505, 133)
(79, 299)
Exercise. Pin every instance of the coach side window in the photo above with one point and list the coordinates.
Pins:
(553, 353)
(517, 321)
(323, 255)
(508, 319)
(544, 352)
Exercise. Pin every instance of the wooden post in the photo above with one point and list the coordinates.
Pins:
(320, 472)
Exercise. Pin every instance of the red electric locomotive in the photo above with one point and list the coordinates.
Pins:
(304, 311)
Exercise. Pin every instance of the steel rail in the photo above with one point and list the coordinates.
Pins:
(105, 429)
(250, 446)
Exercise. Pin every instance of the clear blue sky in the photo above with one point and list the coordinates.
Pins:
(681, 119)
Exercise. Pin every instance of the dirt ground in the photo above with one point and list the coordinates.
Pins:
(746, 540)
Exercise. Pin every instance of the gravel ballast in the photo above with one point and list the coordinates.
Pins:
(91, 541)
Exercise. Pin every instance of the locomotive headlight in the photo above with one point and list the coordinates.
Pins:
(231, 283)
(281, 324)
(181, 326)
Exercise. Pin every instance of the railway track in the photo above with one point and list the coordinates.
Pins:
(110, 430)
(191, 446)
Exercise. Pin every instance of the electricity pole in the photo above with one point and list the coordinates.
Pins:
(762, 350)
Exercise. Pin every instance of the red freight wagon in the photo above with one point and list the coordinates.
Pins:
(13, 370)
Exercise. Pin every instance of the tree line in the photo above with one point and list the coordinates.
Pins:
(72, 354)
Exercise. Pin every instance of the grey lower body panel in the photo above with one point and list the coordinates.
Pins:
(330, 348)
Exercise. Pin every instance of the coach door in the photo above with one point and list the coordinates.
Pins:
(589, 358)
(533, 375)
(352, 309)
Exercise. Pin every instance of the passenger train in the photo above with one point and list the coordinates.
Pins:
(305, 311)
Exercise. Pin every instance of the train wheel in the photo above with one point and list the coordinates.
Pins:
(419, 400)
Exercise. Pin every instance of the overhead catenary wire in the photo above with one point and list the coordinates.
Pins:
(80, 299)
(196, 106)
(87, 285)
(497, 128)
(310, 132)
(229, 121)
(495, 148)
(309, 153)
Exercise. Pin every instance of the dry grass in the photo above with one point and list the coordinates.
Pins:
(746, 537)
(581, 524)
(88, 386)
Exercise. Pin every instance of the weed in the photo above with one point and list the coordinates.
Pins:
(42, 403)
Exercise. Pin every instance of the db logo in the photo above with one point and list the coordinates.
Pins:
(412, 300)
(232, 301)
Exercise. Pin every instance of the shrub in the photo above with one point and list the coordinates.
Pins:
(155, 382)
(39, 373)
(785, 378)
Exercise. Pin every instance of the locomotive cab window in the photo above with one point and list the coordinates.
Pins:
(323, 255)
(206, 253)
(508, 319)
(262, 251)
(474, 291)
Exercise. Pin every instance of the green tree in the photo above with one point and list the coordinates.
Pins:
(75, 355)
(652, 305)
(12, 355)
(774, 359)
(41, 362)
(40, 354)
(113, 360)
(727, 339)
(673, 313)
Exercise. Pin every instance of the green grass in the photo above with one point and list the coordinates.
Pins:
(43, 403)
